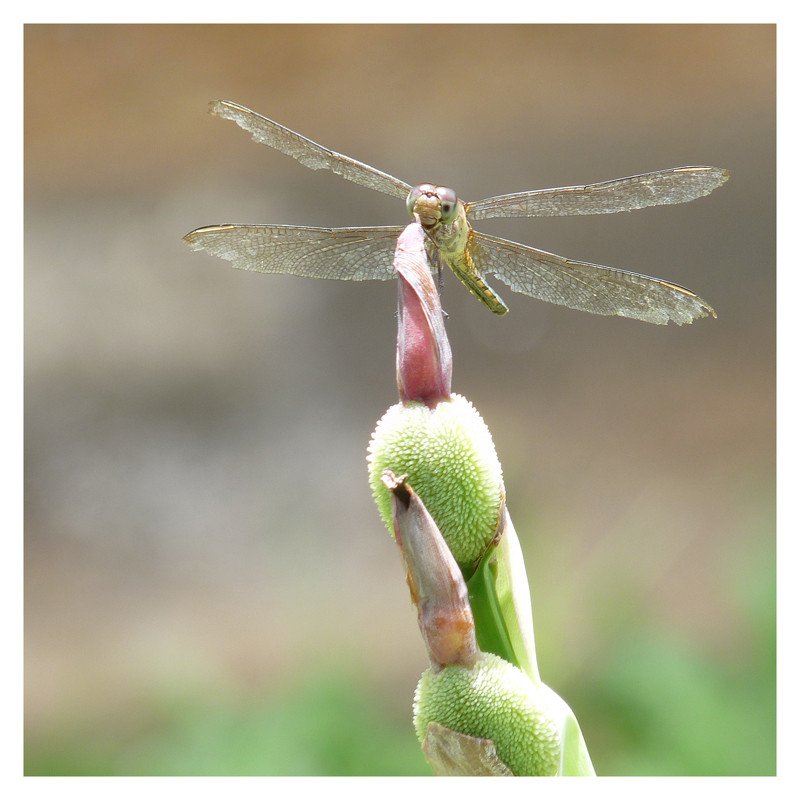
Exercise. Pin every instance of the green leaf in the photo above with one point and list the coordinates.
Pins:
(501, 603)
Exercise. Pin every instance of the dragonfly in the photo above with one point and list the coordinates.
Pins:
(366, 253)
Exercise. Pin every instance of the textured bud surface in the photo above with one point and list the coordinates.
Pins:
(449, 459)
(492, 700)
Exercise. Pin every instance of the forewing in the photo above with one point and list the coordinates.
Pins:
(584, 286)
(308, 153)
(666, 187)
(355, 254)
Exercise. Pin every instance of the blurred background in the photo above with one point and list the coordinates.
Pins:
(208, 586)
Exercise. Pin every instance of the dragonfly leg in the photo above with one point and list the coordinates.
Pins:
(440, 279)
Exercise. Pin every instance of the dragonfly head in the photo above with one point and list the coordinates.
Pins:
(432, 205)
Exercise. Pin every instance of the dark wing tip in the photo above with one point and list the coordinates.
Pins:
(194, 238)
(218, 106)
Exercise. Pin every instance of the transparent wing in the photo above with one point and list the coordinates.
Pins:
(679, 185)
(583, 286)
(308, 153)
(350, 254)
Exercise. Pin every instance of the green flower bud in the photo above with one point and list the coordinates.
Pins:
(494, 700)
(447, 456)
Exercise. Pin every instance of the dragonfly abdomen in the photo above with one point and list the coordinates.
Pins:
(465, 271)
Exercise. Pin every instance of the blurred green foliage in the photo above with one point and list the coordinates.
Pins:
(653, 706)
(663, 705)
(326, 727)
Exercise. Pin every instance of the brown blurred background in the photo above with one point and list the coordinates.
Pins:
(208, 587)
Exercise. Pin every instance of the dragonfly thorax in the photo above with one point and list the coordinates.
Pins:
(432, 205)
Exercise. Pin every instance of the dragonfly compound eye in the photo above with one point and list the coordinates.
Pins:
(447, 197)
